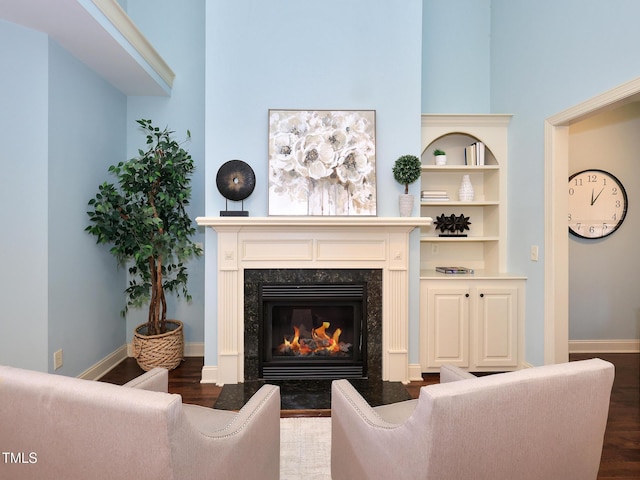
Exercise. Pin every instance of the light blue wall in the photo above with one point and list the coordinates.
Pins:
(360, 54)
(23, 196)
(176, 30)
(547, 56)
(456, 44)
(61, 124)
(86, 135)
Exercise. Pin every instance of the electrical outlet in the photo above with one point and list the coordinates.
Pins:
(57, 359)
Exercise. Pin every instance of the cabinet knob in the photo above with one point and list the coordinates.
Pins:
(482, 295)
(466, 295)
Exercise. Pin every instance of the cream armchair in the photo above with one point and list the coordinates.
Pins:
(544, 423)
(60, 427)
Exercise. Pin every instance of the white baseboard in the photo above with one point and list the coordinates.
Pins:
(191, 349)
(604, 346)
(209, 374)
(415, 372)
(95, 372)
(105, 365)
(194, 349)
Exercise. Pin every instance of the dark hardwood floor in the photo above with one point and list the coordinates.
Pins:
(621, 450)
(620, 454)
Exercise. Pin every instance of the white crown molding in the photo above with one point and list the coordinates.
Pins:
(123, 23)
(624, 93)
(466, 119)
(101, 35)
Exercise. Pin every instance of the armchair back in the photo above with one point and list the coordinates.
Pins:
(540, 423)
(61, 427)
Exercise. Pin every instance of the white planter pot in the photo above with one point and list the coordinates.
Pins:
(406, 204)
(441, 159)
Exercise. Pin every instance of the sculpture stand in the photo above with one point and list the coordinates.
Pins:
(233, 213)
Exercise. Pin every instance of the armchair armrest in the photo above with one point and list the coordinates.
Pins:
(155, 380)
(345, 394)
(262, 408)
(225, 444)
(363, 443)
(451, 373)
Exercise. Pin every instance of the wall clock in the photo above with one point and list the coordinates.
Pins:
(597, 203)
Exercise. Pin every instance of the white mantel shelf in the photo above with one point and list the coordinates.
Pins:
(351, 222)
(310, 243)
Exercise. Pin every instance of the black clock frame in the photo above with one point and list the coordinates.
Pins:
(624, 196)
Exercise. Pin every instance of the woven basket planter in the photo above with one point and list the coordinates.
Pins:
(165, 350)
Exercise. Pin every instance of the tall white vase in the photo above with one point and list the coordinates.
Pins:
(466, 189)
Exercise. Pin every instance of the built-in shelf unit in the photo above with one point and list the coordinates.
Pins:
(475, 321)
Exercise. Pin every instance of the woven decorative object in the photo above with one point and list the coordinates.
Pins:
(165, 350)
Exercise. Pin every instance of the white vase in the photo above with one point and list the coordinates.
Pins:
(466, 189)
(441, 159)
(406, 204)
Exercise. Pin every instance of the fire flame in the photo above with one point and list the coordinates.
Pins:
(319, 343)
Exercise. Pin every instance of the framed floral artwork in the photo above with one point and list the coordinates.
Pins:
(322, 162)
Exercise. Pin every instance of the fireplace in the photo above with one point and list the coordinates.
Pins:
(313, 323)
(323, 243)
(312, 331)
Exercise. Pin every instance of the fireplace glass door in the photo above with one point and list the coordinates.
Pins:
(312, 331)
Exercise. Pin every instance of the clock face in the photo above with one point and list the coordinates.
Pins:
(597, 203)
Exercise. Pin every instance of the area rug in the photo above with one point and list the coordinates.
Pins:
(305, 448)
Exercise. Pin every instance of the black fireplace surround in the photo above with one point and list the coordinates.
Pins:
(312, 323)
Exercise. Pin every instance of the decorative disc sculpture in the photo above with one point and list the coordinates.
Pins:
(235, 181)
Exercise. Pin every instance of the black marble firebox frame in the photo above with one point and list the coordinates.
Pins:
(254, 277)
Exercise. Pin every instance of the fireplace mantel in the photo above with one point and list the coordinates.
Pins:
(296, 222)
(310, 242)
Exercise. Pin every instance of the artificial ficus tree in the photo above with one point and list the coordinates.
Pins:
(143, 216)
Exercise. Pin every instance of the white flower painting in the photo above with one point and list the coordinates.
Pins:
(322, 162)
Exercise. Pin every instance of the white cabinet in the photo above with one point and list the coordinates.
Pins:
(476, 324)
(446, 322)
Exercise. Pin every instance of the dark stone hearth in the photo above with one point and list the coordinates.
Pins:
(311, 394)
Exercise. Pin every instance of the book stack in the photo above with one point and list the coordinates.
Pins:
(454, 270)
(474, 154)
(434, 196)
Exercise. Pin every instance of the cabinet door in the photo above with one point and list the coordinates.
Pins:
(447, 326)
(496, 327)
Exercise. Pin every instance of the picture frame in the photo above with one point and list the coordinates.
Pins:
(322, 162)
